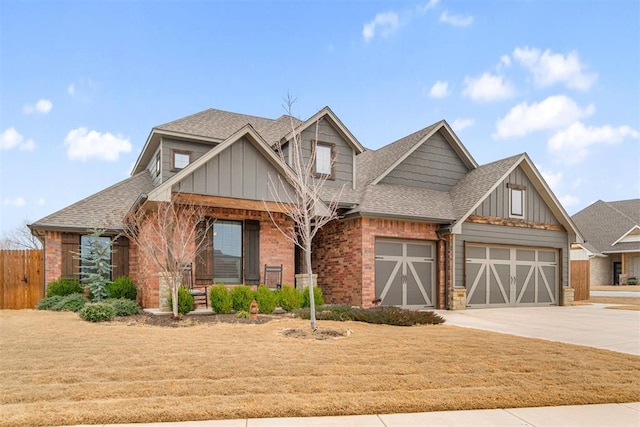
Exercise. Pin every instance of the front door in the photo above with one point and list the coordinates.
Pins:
(405, 273)
(617, 271)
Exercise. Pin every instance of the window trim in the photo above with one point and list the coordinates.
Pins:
(172, 156)
(158, 163)
(332, 147)
(522, 189)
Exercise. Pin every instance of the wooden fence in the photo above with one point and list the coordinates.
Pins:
(580, 280)
(21, 278)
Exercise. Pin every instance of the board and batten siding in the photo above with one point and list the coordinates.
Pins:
(344, 154)
(512, 236)
(240, 171)
(497, 203)
(433, 165)
(168, 145)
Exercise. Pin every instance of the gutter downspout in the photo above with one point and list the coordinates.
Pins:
(446, 266)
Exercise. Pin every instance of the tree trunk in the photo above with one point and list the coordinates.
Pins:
(174, 295)
(312, 302)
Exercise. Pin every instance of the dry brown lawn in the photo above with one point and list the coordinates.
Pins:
(627, 303)
(56, 369)
(622, 288)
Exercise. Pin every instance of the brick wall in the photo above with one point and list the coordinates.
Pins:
(52, 256)
(337, 260)
(601, 270)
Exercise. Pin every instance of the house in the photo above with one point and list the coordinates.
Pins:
(421, 223)
(612, 241)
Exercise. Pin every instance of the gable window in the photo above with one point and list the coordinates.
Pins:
(157, 165)
(516, 200)
(180, 159)
(324, 158)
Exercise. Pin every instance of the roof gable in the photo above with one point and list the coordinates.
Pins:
(608, 236)
(378, 165)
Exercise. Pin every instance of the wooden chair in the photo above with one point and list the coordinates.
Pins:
(273, 276)
(199, 293)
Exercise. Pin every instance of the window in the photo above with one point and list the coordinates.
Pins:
(324, 159)
(157, 167)
(227, 252)
(180, 159)
(517, 202)
(85, 245)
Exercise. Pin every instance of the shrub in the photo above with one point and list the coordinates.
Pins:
(289, 298)
(379, 315)
(220, 299)
(73, 302)
(185, 300)
(242, 314)
(122, 287)
(241, 297)
(317, 297)
(267, 299)
(48, 303)
(98, 312)
(63, 287)
(124, 307)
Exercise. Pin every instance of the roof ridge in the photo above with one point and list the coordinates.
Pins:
(620, 212)
(211, 110)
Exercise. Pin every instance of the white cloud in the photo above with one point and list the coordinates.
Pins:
(71, 89)
(11, 138)
(456, 20)
(568, 200)
(572, 144)
(43, 106)
(41, 201)
(554, 179)
(17, 202)
(84, 144)
(429, 5)
(439, 90)
(459, 124)
(549, 68)
(385, 23)
(488, 87)
(552, 113)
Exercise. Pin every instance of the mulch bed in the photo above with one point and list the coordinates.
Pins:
(167, 320)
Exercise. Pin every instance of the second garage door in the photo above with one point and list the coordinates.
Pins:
(511, 276)
(405, 272)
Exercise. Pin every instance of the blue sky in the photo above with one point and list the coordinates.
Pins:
(83, 83)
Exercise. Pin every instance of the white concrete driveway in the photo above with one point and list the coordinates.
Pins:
(589, 325)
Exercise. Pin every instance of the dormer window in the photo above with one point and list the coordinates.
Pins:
(157, 165)
(324, 158)
(516, 200)
(180, 159)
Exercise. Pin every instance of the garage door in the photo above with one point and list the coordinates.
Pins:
(508, 276)
(405, 272)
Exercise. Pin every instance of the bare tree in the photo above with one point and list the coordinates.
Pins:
(19, 237)
(169, 235)
(305, 206)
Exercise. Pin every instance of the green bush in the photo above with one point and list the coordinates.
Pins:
(242, 314)
(98, 312)
(73, 302)
(47, 303)
(379, 315)
(241, 297)
(267, 299)
(124, 307)
(122, 287)
(289, 298)
(64, 287)
(220, 299)
(317, 297)
(185, 300)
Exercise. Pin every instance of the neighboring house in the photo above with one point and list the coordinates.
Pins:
(612, 241)
(422, 224)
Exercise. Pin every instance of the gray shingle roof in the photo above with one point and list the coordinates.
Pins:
(475, 184)
(403, 201)
(218, 124)
(602, 223)
(104, 209)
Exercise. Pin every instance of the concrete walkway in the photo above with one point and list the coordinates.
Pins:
(589, 325)
(621, 294)
(619, 415)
